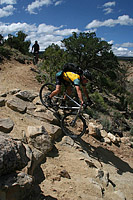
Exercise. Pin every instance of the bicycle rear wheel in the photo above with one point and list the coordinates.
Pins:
(74, 130)
(45, 91)
(35, 60)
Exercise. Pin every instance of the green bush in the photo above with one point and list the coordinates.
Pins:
(5, 52)
(92, 113)
(99, 101)
(107, 124)
(117, 116)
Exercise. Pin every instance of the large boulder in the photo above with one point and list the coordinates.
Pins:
(12, 155)
(40, 143)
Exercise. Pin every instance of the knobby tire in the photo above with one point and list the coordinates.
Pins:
(75, 131)
(45, 91)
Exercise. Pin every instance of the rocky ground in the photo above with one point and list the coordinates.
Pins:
(83, 169)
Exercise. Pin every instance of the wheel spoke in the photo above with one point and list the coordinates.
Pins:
(45, 91)
(71, 127)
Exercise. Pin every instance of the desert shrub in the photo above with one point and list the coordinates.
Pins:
(117, 115)
(107, 124)
(99, 101)
(92, 113)
(5, 52)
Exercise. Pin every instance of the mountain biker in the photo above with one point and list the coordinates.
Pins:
(35, 49)
(76, 78)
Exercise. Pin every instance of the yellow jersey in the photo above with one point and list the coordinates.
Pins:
(71, 76)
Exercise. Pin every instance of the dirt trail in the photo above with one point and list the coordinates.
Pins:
(82, 184)
(67, 155)
(14, 75)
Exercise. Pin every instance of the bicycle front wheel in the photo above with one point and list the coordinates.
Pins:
(73, 125)
(45, 91)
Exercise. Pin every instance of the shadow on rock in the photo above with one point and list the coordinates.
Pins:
(106, 156)
(53, 153)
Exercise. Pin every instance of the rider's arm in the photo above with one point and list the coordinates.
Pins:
(89, 102)
(85, 92)
(79, 93)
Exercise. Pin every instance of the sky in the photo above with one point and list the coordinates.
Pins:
(50, 21)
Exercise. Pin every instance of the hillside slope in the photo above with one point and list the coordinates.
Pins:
(72, 170)
(16, 75)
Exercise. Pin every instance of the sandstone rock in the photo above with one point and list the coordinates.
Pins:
(17, 104)
(53, 130)
(27, 95)
(31, 106)
(38, 157)
(12, 155)
(103, 133)
(112, 137)
(41, 109)
(107, 140)
(93, 129)
(67, 141)
(29, 154)
(38, 138)
(125, 140)
(6, 125)
(3, 94)
(16, 186)
(14, 91)
(40, 144)
(46, 116)
(37, 101)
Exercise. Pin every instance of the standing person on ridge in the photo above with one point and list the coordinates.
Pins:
(35, 49)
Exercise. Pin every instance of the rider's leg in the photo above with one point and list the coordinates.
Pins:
(56, 91)
(68, 91)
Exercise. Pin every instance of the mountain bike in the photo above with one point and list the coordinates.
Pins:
(73, 123)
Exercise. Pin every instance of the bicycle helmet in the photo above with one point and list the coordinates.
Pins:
(87, 74)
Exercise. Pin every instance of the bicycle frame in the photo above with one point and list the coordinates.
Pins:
(78, 107)
(76, 116)
(69, 107)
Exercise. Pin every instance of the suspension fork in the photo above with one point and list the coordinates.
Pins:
(75, 119)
